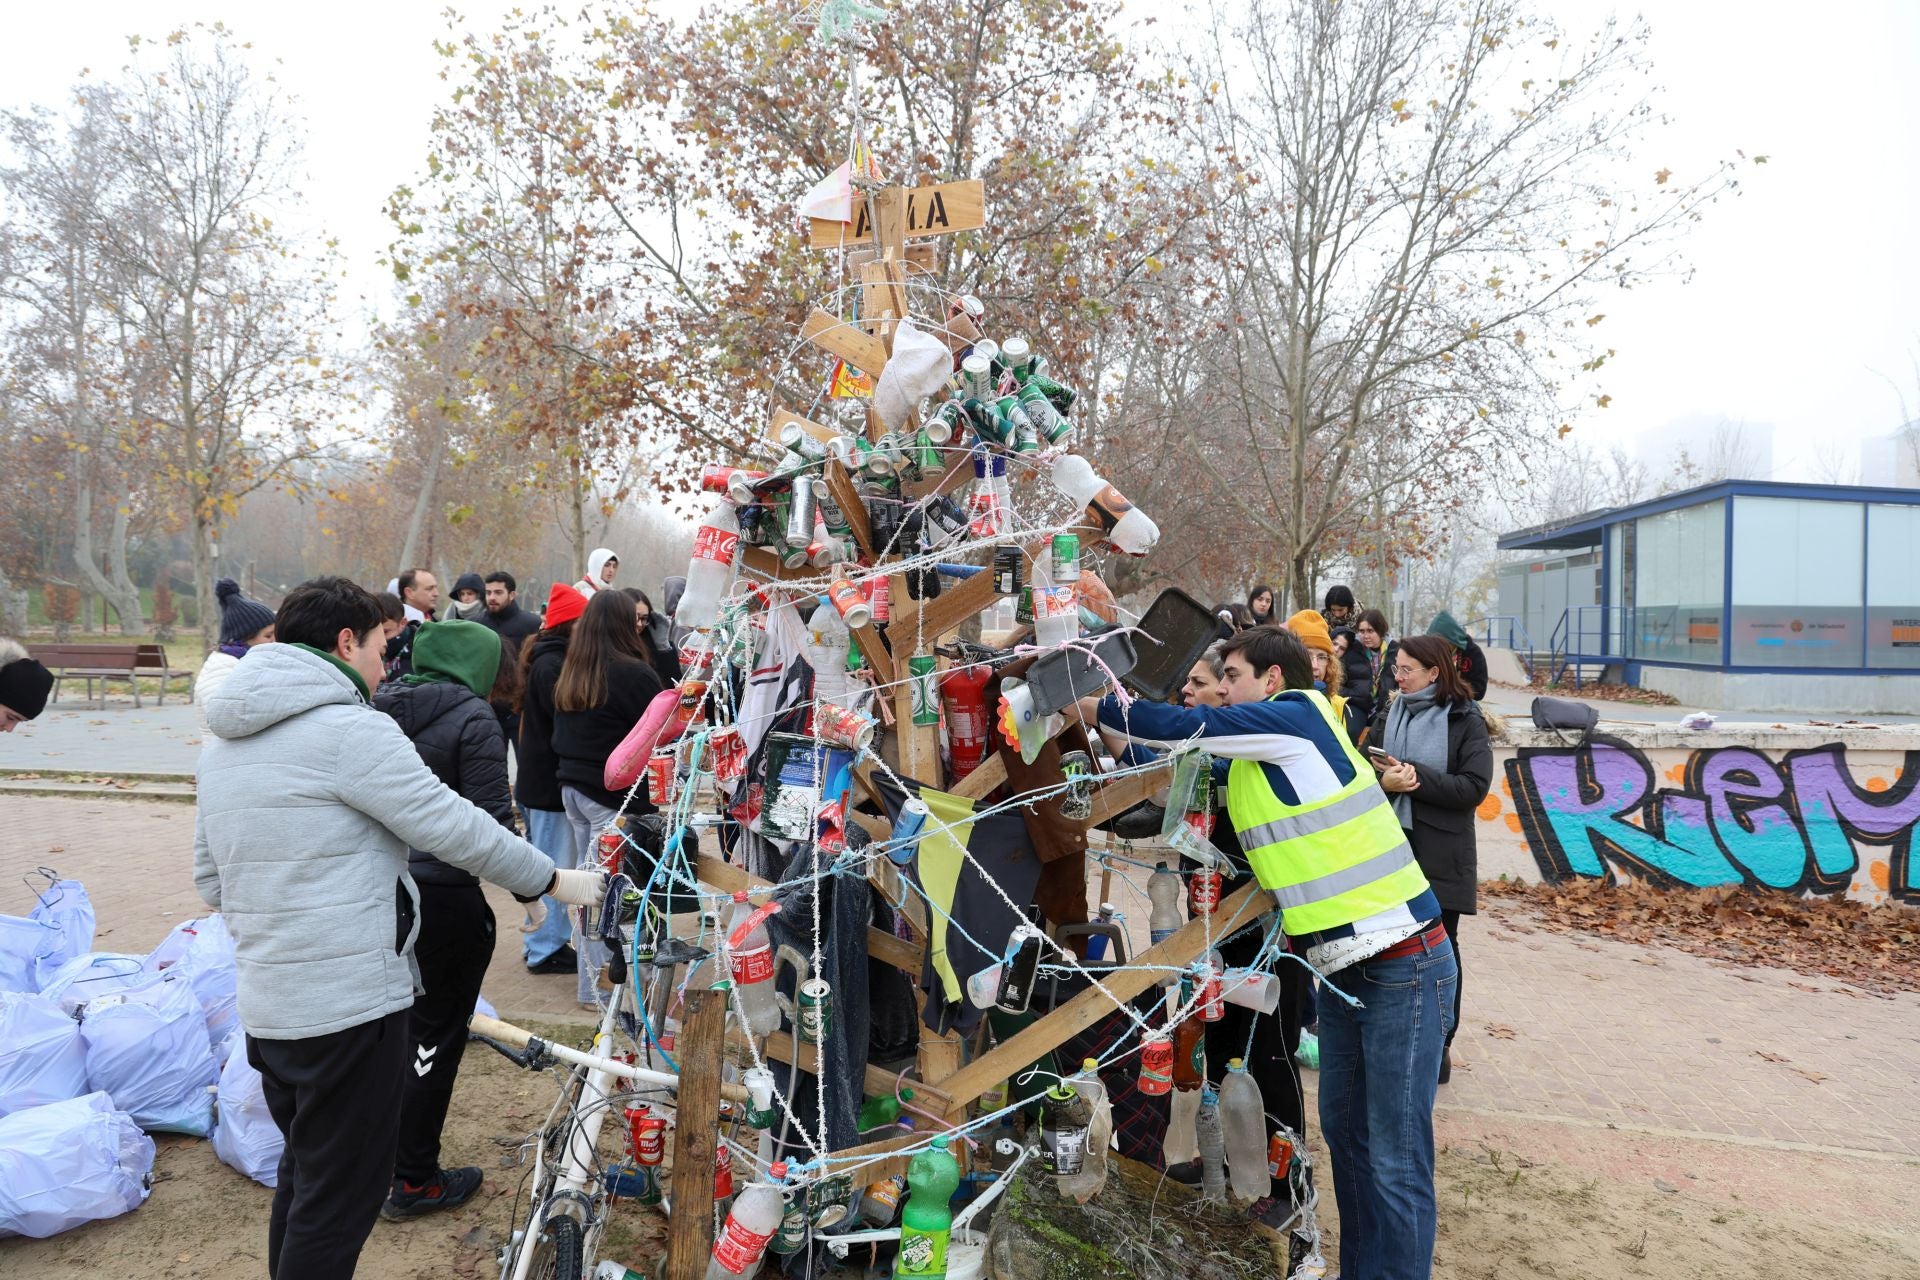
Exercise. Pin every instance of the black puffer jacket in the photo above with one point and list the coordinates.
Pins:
(537, 787)
(459, 738)
(582, 740)
(1443, 831)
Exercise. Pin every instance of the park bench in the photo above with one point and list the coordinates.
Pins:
(105, 662)
(151, 659)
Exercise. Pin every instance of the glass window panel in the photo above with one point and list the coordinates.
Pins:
(1796, 582)
(1893, 586)
(1679, 584)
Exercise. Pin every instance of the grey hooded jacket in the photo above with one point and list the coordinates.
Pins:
(308, 799)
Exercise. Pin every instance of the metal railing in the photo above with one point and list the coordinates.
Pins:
(1580, 639)
(1514, 633)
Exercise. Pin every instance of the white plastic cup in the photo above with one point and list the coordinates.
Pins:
(1251, 989)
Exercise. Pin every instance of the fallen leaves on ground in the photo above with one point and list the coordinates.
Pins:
(1875, 948)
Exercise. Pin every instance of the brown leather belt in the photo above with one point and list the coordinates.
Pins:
(1419, 942)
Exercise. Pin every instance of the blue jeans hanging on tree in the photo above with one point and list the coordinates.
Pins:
(1379, 1070)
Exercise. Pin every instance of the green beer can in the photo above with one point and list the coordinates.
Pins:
(926, 701)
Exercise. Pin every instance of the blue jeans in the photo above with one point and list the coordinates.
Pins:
(548, 831)
(1379, 1069)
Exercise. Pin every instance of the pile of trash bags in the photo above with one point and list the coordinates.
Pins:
(98, 1049)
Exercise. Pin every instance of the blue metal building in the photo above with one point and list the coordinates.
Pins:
(1742, 594)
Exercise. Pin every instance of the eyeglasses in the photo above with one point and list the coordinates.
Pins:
(1401, 668)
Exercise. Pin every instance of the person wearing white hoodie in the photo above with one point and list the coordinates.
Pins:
(308, 802)
(602, 565)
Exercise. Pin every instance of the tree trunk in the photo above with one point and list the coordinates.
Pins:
(205, 609)
(118, 592)
(422, 500)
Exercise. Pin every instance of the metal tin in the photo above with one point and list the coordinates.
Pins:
(945, 422)
(1156, 1064)
(880, 601)
(1016, 357)
(1012, 415)
(926, 700)
(1016, 984)
(800, 512)
(976, 374)
(722, 1171)
(839, 727)
(1066, 557)
(647, 1134)
(612, 845)
(906, 831)
(660, 779)
(1077, 804)
(1059, 394)
(851, 602)
(1203, 892)
(1046, 419)
(1023, 608)
(925, 456)
(803, 442)
(1007, 565)
(831, 514)
(813, 1011)
(828, 1200)
(794, 1227)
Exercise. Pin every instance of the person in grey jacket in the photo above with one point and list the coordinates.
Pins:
(308, 801)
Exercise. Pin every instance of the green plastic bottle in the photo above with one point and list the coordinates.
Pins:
(877, 1112)
(927, 1222)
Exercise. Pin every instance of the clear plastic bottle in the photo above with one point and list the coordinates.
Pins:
(750, 962)
(1056, 619)
(827, 641)
(710, 571)
(1127, 527)
(1182, 1141)
(1086, 1184)
(750, 1226)
(1245, 1121)
(1164, 891)
(1213, 1147)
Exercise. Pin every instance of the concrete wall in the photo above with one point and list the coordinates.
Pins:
(1804, 811)
(1802, 691)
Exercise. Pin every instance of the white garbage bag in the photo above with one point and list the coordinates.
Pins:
(147, 1047)
(68, 912)
(92, 975)
(41, 1057)
(244, 1134)
(918, 367)
(70, 1162)
(202, 952)
(21, 943)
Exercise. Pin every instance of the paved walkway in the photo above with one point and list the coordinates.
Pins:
(1557, 1027)
(119, 740)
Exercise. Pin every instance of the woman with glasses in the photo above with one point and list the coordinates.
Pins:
(1436, 767)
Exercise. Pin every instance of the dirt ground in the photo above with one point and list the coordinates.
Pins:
(1519, 1198)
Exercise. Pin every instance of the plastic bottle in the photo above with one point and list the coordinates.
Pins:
(1127, 528)
(1244, 1119)
(878, 1202)
(1213, 1147)
(710, 571)
(750, 1225)
(1056, 618)
(1190, 1054)
(883, 1110)
(1164, 891)
(1181, 1142)
(827, 642)
(750, 961)
(1097, 943)
(926, 1224)
(1064, 1118)
(1087, 1184)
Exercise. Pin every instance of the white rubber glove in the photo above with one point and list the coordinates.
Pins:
(578, 888)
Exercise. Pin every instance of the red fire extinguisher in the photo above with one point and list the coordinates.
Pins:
(963, 692)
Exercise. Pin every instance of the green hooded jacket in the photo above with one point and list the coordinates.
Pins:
(456, 651)
(1447, 629)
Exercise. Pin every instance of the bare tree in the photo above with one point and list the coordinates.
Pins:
(1422, 204)
(204, 151)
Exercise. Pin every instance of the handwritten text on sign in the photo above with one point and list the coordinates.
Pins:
(931, 211)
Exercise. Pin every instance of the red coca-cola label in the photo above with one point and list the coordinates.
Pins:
(739, 1248)
(879, 600)
(710, 543)
(1203, 892)
(1212, 1008)
(611, 844)
(1156, 1065)
(722, 1171)
(755, 965)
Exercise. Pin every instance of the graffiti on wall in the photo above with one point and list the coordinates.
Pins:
(1736, 816)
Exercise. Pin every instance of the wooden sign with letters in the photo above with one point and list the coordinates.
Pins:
(931, 211)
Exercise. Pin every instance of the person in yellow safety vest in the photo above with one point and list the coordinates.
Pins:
(1319, 832)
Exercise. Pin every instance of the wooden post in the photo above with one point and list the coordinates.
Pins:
(703, 1035)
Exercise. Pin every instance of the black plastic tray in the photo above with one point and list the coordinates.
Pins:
(1178, 629)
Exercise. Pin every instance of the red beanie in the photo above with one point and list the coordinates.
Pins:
(564, 604)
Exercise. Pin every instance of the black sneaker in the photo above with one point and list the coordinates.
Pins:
(1142, 822)
(1274, 1212)
(561, 961)
(446, 1189)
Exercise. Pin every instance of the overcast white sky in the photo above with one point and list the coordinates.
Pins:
(1802, 305)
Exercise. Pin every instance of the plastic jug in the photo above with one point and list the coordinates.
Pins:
(1244, 1119)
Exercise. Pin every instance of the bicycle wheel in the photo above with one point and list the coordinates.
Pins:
(559, 1252)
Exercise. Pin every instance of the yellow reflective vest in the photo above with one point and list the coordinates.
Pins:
(1330, 862)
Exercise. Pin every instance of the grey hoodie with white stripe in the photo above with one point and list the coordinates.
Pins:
(308, 799)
